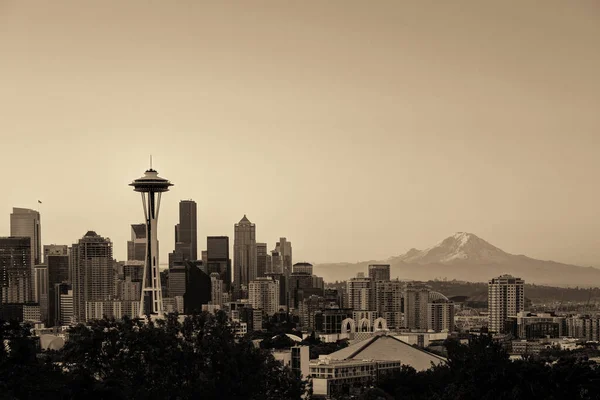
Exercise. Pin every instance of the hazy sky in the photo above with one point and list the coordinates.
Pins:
(357, 129)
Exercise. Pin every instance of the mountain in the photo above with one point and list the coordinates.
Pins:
(464, 256)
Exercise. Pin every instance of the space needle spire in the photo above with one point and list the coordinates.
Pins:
(151, 186)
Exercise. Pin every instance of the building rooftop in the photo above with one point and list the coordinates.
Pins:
(388, 348)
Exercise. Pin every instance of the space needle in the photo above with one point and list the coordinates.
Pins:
(151, 186)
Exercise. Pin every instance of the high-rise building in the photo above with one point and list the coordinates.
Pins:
(26, 223)
(379, 272)
(42, 288)
(151, 187)
(416, 299)
(92, 272)
(217, 259)
(261, 259)
(244, 252)
(216, 287)
(282, 257)
(65, 311)
(506, 298)
(303, 267)
(440, 315)
(389, 301)
(177, 280)
(55, 250)
(57, 260)
(136, 247)
(263, 294)
(186, 232)
(15, 270)
(361, 293)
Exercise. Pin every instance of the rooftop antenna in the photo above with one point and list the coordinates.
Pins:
(150, 161)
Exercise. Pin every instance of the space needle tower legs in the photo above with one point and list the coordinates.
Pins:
(151, 187)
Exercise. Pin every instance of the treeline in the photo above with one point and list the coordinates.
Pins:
(482, 370)
(129, 359)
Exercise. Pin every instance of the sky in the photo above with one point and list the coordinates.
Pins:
(356, 129)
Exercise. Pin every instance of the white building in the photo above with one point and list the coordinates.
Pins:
(506, 298)
(263, 294)
(361, 293)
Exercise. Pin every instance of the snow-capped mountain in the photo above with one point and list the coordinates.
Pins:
(461, 247)
(464, 256)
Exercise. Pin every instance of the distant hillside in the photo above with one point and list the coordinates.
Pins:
(466, 257)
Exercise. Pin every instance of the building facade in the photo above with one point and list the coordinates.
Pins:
(26, 223)
(379, 272)
(263, 294)
(506, 298)
(92, 272)
(16, 281)
(244, 253)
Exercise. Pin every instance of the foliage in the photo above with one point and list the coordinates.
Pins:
(196, 358)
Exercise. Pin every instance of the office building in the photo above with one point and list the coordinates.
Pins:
(244, 253)
(15, 270)
(42, 291)
(55, 250)
(92, 272)
(416, 300)
(506, 298)
(186, 233)
(198, 287)
(379, 272)
(303, 267)
(218, 260)
(136, 247)
(281, 257)
(440, 315)
(216, 287)
(26, 223)
(389, 300)
(63, 305)
(57, 260)
(361, 293)
(329, 321)
(262, 256)
(263, 294)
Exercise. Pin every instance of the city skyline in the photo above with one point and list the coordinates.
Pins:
(387, 127)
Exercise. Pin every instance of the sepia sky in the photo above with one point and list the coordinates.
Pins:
(356, 129)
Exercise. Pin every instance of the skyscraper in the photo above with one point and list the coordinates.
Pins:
(416, 299)
(186, 231)
(136, 247)
(361, 293)
(262, 256)
(151, 187)
(244, 252)
(379, 272)
(26, 223)
(389, 301)
(92, 272)
(283, 248)
(42, 289)
(15, 270)
(57, 260)
(263, 294)
(217, 259)
(303, 267)
(55, 250)
(216, 288)
(506, 298)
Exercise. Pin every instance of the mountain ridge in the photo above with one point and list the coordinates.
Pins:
(465, 256)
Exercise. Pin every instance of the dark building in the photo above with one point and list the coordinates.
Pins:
(186, 234)
(300, 286)
(217, 258)
(136, 247)
(15, 269)
(282, 286)
(330, 321)
(262, 256)
(58, 272)
(198, 288)
(379, 272)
